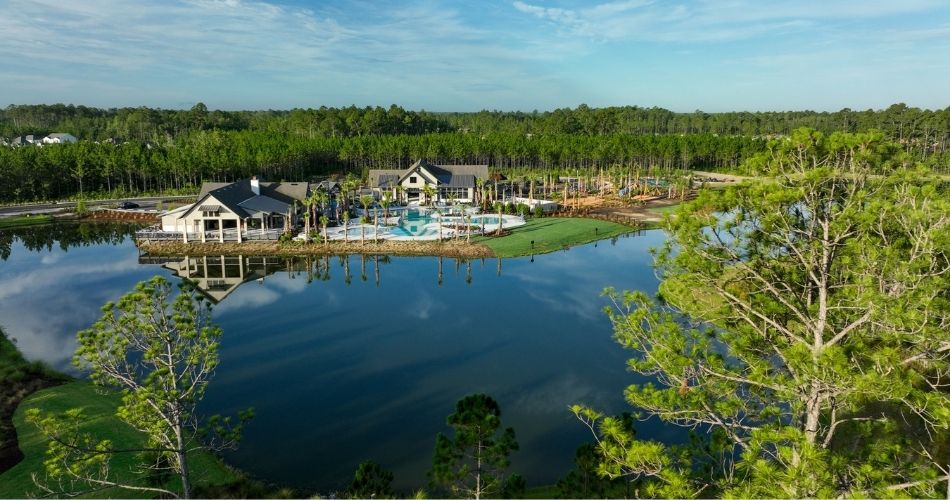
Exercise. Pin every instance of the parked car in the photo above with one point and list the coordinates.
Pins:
(125, 205)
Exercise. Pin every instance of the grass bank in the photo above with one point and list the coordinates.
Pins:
(209, 472)
(24, 220)
(18, 379)
(550, 234)
(668, 209)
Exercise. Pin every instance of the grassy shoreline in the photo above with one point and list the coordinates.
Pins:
(18, 379)
(24, 221)
(100, 407)
(545, 235)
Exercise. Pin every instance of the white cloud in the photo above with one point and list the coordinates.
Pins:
(708, 20)
(252, 49)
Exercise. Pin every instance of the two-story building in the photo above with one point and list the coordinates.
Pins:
(447, 182)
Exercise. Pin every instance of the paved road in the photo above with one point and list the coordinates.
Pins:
(45, 208)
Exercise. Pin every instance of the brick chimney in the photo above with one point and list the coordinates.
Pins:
(255, 186)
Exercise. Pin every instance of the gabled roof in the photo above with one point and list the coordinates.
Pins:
(388, 180)
(264, 204)
(375, 174)
(422, 167)
(459, 181)
(328, 186)
(239, 198)
(443, 175)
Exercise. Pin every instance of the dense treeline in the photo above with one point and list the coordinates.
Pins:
(923, 130)
(133, 150)
(147, 124)
(63, 170)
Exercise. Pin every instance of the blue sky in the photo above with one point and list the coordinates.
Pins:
(717, 55)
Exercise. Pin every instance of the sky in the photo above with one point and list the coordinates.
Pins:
(711, 55)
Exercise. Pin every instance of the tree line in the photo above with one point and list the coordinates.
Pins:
(923, 130)
(61, 171)
(137, 150)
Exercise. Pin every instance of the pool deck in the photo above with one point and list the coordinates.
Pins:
(429, 231)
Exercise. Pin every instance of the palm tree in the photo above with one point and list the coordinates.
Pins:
(376, 226)
(500, 208)
(468, 228)
(440, 223)
(307, 204)
(320, 199)
(346, 226)
(385, 202)
(400, 194)
(479, 194)
(429, 192)
(324, 221)
(365, 200)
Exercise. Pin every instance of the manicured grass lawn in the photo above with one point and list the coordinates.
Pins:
(550, 234)
(100, 408)
(665, 210)
(24, 220)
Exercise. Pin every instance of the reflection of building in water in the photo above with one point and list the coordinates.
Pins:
(219, 275)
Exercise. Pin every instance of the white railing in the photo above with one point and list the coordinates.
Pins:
(210, 236)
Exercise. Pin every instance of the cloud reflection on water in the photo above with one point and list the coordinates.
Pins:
(340, 373)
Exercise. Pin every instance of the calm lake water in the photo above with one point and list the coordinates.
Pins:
(341, 370)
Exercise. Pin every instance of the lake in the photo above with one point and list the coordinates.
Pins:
(352, 359)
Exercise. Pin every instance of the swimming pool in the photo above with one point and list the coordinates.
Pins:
(422, 223)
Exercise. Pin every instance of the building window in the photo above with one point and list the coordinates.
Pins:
(412, 179)
(450, 192)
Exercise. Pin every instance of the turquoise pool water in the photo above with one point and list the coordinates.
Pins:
(412, 222)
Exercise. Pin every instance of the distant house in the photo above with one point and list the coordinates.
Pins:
(23, 140)
(239, 210)
(456, 182)
(59, 138)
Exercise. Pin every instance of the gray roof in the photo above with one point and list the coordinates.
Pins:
(459, 181)
(388, 180)
(374, 175)
(328, 186)
(283, 191)
(237, 196)
(446, 175)
(265, 204)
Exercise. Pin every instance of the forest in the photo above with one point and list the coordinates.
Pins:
(126, 151)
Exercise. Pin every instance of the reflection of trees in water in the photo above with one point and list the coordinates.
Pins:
(319, 267)
(65, 236)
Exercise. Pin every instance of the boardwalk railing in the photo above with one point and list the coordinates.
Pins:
(154, 234)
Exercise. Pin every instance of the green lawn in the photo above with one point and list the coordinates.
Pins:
(100, 408)
(24, 220)
(665, 210)
(550, 234)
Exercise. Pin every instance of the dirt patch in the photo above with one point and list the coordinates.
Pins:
(634, 210)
